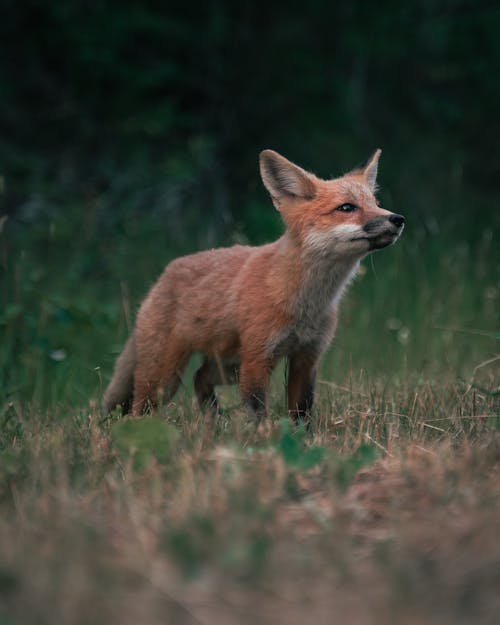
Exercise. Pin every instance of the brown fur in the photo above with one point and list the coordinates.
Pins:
(246, 307)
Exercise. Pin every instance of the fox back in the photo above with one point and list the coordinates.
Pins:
(246, 307)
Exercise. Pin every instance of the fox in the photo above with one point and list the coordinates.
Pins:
(244, 308)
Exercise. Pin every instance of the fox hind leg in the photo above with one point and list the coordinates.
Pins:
(157, 377)
(213, 372)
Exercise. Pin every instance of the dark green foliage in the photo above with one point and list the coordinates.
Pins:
(140, 109)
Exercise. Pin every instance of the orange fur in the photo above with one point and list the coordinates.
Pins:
(246, 307)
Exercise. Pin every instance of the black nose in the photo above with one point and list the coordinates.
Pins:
(397, 220)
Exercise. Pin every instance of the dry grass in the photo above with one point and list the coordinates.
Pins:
(392, 519)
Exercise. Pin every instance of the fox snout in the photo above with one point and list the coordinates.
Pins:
(383, 231)
(397, 220)
(379, 225)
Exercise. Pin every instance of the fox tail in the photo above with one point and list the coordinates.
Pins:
(120, 389)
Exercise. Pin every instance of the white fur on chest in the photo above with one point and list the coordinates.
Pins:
(326, 276)
(320, 295)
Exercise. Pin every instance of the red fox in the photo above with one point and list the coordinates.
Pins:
(244, 308)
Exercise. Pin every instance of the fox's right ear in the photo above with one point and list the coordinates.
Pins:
(371, 168)
(284, 180)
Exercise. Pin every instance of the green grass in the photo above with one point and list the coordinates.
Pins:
(387, 512)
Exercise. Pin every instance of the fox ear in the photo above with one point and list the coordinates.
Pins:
(283, 179)
(371, 168)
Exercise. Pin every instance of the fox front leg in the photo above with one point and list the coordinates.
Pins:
(254, 386)
(302, 370)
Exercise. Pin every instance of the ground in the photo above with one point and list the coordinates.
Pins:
(385, 513)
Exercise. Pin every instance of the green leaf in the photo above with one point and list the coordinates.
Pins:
(311, 457)
(290, 449)
(295, 453)
(145, 439)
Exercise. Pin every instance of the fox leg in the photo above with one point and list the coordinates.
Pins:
(254, 386)
(213, 372)
(157, 376)
(302, 371)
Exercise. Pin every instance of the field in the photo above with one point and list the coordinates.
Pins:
(387, 512)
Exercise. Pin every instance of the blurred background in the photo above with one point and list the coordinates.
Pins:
(130, 134)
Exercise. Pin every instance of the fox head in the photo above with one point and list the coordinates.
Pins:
(340, 216)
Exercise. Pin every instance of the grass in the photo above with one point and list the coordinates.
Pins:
(387, 512)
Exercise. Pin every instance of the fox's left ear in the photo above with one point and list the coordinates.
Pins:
(284, 180)
(370, 170)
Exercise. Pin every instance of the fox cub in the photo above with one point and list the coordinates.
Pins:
(246, 307)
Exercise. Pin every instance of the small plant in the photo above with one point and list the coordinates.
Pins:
(293, 449)
(145, 440)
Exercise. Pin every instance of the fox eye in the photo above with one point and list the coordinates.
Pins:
(347, 208)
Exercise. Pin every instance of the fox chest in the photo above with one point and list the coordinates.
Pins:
(302, 335)
(313, 313)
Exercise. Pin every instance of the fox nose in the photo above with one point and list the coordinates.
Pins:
(397, 220)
